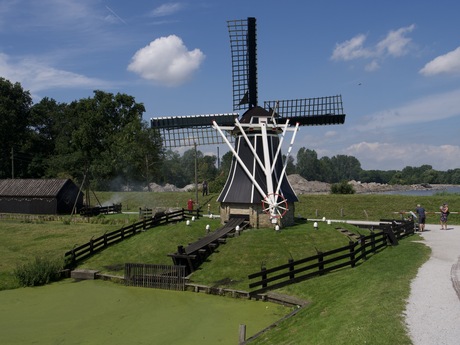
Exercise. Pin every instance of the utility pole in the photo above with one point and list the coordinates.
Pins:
(196, 175)
(12, 162)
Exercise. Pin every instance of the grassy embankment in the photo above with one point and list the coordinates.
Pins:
(349, 306)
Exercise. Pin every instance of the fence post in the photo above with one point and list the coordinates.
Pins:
(291, 269)
(91, 246)
(242, 334)
(320, 261)
(362, 243)
(373, 241)
(122, 233)
(73, 256)
(264, 276)
(352, 253)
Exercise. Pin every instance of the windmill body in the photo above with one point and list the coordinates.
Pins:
(257, 187)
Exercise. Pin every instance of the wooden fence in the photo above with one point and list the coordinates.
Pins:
(322, 263)
(97, 244)
(165, 277)
(149, 213)
(97, 210)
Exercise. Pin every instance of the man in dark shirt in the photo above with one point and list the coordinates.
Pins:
(421, 217)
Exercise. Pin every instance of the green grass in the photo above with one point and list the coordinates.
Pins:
(356, 206)
(350, 306)
(22, 242)
(363, 305)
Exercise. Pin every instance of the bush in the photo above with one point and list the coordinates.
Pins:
(342, 188)
(41, 271)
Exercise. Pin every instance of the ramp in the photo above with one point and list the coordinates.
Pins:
(197, 252)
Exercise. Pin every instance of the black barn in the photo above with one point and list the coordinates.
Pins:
(39, 196)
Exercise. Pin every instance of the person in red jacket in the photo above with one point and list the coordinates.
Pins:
(190, 203)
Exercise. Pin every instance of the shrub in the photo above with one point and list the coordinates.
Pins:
(342, 188)
(40, 271)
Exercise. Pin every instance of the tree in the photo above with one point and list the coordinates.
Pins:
(172, 170)
(45, 123)
(308, 164)
(104, 137)
(290, 167)
(14, 116)
(218, 183)
(327, 170)
(342, 188)
(346, 167)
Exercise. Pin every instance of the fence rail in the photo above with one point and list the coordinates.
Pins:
(95, 211)
(97, 244)
(321, 263)
(165, 277)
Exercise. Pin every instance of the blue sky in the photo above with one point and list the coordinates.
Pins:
(395, 63)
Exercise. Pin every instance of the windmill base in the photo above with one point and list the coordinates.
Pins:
(256, 217)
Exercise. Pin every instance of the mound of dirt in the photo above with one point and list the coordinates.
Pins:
(303, 186)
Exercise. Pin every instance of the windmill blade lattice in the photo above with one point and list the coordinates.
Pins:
(243, 44)
(178, 131)
(309, 111)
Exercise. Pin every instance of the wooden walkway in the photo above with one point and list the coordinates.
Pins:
(196, 253)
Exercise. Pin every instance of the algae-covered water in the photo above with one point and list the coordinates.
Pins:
(98, 312)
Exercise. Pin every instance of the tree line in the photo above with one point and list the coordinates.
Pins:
(103, 139)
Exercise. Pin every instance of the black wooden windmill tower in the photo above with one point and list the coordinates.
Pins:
(257, 187)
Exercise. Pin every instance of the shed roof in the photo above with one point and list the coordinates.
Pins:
(32, 187)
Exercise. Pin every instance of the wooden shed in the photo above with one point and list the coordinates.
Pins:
(39, 196)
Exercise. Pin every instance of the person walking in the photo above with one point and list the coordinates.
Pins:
(421, 215)
(205, 187)
(444, 214)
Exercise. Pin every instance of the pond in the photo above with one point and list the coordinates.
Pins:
(98, 312)
(426, 192)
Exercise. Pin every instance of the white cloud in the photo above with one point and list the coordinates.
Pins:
(444, 64)
(36, 76)
(372, 66)
(166, 9)
(395, 44)
(166, 61)
(351, 49)
(427, 109)
(331, 134)
(385, 156)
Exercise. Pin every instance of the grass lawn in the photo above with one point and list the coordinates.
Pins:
(22, 241)
(351, 306)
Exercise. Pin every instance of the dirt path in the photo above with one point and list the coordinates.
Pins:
(433, 309)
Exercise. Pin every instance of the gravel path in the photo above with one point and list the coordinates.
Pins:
(433, 309)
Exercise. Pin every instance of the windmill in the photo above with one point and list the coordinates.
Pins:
(257, 187)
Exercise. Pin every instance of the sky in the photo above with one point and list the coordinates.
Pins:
(395, 63)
